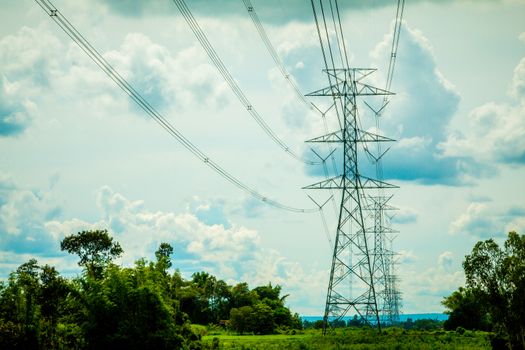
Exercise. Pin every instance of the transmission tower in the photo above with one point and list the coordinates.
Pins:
(357, 266)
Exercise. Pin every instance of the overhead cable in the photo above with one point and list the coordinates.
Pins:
(214, 57)
(275, 56)
(288, 77)
(112, 73)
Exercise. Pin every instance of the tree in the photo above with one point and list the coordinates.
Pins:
(163, 256)
(96, 249)
(466, 310)
(496, 279)
(242, 296)
(52, 294)
(240, 319)
(19, 311)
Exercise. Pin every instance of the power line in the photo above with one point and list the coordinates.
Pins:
(212, 54)
(288, 77)
(275, 56)
(112, 73)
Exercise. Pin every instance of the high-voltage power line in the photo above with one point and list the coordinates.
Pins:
(216, 60)
(112, 73)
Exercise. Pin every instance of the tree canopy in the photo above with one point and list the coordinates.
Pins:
(494, 295)
(141, 307)
(94, 248)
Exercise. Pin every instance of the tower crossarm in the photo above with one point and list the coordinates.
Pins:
(339, 183)
(362, 136)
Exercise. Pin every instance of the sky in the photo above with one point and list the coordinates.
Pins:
(76, 153)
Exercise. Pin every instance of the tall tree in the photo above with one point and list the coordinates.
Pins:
(163, 256)
(466, 310)
(95, 248)
(496, 277)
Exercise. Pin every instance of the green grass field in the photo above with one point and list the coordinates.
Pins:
(351, 339)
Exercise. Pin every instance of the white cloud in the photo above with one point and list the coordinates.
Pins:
(16, 112)
(31, 54)
(184, 79)
(518, 80)
(485, 220)
(425, 100)
(522, 37)
(23, 213)
(423, 289)
(406, 257)
(27, 61)
(419, 114)
(445, 260)
(496, 131)
(405, 216)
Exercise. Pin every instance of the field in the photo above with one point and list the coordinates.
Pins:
(393, 338)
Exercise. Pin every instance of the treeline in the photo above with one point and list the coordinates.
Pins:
(140, 307)
(494, 296)
(424, 324)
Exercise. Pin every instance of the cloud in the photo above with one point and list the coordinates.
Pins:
(165, 79)
(445, 260)
(27, 61)
(518, 79)
(406, 257)
(405, 216)
(23, 213)
(15, 111)
(483, 220)
(33, 59)
(210, 212)
(423, 289)
(419, 114)
(496, 131)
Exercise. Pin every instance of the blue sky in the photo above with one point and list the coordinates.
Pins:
(75, 153)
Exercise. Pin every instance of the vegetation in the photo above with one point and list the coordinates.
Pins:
(142, 307)
(353, 338)
(147, 306)
(494, 295)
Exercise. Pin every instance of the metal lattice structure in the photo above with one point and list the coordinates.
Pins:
(358, 262)
(363, 280)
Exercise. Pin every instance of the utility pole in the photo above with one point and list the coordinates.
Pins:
(357, 266)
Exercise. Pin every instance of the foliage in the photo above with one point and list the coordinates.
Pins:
(95, 249)
(140, 307)
(466, 310)
(263, 311)
(494, 295)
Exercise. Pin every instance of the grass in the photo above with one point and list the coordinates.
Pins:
(342, 339)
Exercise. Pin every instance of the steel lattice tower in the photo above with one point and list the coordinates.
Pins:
(358, 279)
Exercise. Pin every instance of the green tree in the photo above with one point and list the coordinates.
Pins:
(256, 319)
(241, 318)
(95, 248)
(53, 292)
(241, 295)
(496, 277)
(466, 310)
(163, 256)
(19, 309)
(262, 319)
